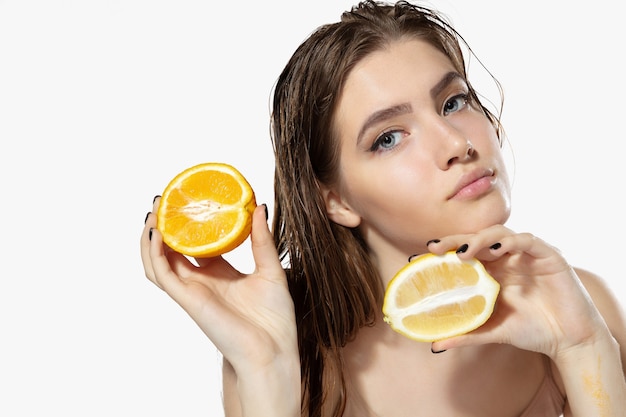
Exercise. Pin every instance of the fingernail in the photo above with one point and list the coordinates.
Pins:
(437, 351)
(412, 256)
(150, 233)
(495, 246)
(462, 248)
(155, 197)
(432, 241)
(146, 219)
(267, 215)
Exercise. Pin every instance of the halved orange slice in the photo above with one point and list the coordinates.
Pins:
(206, 210)
(437, 297)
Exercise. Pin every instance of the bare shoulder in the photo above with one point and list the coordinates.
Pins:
(608, 305)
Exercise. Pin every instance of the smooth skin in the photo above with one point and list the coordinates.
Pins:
(418, 162)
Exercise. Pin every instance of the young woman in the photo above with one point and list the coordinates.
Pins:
(383, 150)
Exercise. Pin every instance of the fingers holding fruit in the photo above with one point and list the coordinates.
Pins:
(520, 250)
(542, 305)
(146, 238)
(206, 211)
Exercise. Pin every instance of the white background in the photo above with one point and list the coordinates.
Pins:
(103, 102)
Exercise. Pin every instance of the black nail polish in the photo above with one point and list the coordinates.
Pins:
(150, 233)
(412, 256)
(267, 215)
(147, 215)
(155, 197)
(437, 351)
(462, 248)
(495, 246)
(432, 241)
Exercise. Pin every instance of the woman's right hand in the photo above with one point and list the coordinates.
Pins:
(248, 317)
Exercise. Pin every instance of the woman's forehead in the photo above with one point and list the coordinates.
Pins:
(397, 71)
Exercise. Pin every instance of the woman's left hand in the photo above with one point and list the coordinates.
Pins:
(542, 305)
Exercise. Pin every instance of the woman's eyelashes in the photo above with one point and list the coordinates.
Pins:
(391, 138)
(388, 140)
(456, 103)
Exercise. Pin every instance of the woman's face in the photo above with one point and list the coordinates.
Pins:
(417, 161)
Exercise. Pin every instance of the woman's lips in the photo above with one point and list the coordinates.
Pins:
(473, 184)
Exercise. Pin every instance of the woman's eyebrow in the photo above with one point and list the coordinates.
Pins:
(445, 81)
(405, 108)
(382, 115)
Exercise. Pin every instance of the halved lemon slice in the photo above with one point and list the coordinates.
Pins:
(437, 297)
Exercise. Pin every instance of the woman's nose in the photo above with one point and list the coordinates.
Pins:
(464, 151)
(452, 146)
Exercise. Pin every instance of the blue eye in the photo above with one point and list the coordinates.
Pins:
(455, 104)
(387, 140)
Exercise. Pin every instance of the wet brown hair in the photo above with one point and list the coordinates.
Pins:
(335, 287)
